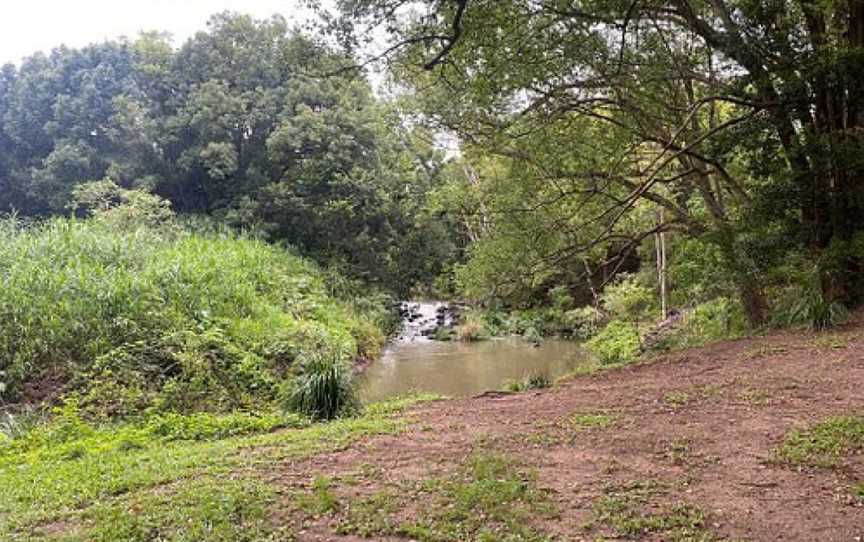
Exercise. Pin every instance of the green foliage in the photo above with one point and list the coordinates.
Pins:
(591, 420)
(823, 444)
(534, 381)
(235, 125)
(810, 308)
(212, 509)
(321, 500)
(142, 317)
(618, 342)
(491, 496)
(145, 479)
(711, 321)
(627, 299)
(323, 390)
(585, 321)
(118, 207)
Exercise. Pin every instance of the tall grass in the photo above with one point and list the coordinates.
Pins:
(323, 390)
(141, 310)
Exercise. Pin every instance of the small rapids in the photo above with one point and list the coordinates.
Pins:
(420, 320)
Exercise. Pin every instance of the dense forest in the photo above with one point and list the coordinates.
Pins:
(242, 125)
(204, 244)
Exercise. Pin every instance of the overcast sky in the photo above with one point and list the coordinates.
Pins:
(27, 26)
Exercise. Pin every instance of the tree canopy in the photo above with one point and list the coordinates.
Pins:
(737, 122)
(238, 124)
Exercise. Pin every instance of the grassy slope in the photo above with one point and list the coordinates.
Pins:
(141, 317)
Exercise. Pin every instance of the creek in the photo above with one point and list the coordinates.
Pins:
(415, 362)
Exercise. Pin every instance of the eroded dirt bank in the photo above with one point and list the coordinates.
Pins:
(681, 448)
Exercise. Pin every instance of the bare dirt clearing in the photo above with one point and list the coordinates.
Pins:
(679, 448)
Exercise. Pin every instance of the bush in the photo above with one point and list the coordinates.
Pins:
(584, 321)
(323, 390)
(618, 342)
(472, 329)
(626, 299)
(808, 308)
(715, 320)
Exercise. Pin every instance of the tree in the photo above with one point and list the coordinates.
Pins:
(699, 90)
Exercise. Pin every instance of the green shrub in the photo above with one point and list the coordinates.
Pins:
(808, 307)
(627, 299)
(715, 320)
(618, 342)
(323, 390)
(535, 381)
(584, 321)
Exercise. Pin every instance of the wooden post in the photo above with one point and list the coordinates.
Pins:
(660, 249)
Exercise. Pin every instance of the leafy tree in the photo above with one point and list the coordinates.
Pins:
(720, 106)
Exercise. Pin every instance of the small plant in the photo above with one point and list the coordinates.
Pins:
(584, 321)
(825, 443)
(677, 398)
(623, 509)
(471, 330)
(535, 381)
(618, 342)
(18, 424)
(812, 310)
(591, 420)
(324, 389)
(321, 500)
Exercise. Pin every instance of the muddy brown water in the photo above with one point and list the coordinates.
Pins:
(460, 369)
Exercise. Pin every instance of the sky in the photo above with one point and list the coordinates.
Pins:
(27, 26)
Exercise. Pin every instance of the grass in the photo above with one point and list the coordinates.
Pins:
(677, 398)
(591, 420)
(321, 500)
(830, 341)
(631, 511)
(490, 498)
(145, 316)
(536, 381)
(823, 444)
(166, 484)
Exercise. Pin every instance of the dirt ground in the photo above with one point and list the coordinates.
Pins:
(702, 425)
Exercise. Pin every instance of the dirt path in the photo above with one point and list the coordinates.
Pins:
(699, 428)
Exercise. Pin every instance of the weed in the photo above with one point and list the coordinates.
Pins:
(632, 511)
(323, 390)
(754, 396)
(823, 444)
(618, 342)
(677, 398)
(677, 452)
(321, 500)
(146, 317)
(766, 351)
(491, 498)
(833, 341)
(591, 420)
(535, 381)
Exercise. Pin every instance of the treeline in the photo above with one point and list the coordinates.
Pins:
(729, 132)
(250, 123)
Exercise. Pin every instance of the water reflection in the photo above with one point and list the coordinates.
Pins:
(459, 369)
